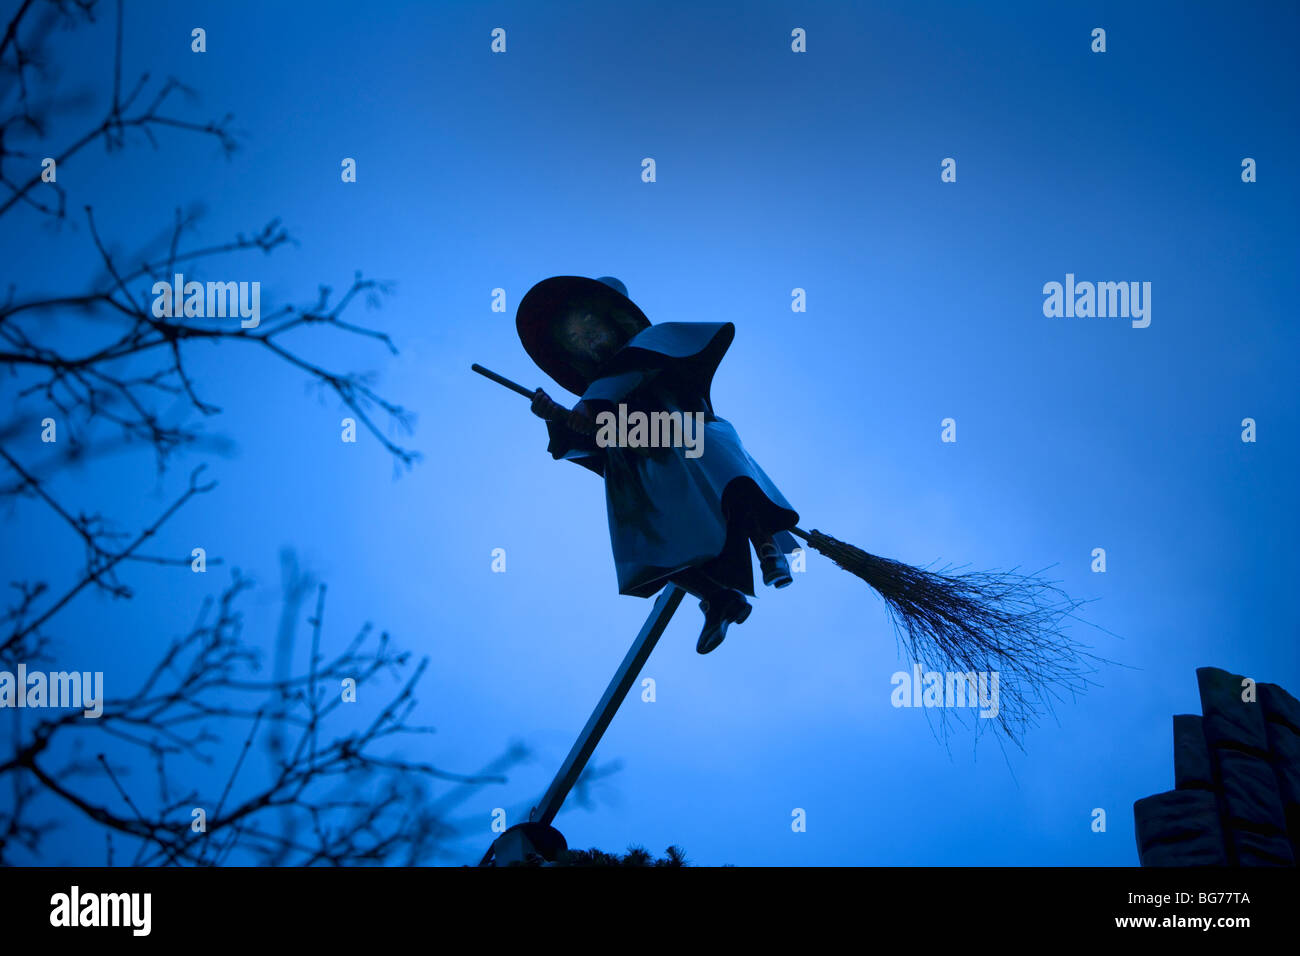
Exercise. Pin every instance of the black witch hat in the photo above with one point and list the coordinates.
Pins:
(550, 301)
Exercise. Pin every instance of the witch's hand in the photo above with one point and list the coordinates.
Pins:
(544, 407)
(577, 421)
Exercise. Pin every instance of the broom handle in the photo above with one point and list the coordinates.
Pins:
(502, 380)
(560, 417)
(516, 387)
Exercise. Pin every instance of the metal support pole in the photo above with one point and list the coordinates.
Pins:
(600, 719)
(621, 683)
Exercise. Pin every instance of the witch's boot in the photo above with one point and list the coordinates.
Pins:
(775, 568)
(722, 607)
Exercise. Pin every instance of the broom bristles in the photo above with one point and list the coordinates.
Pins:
(983, 621)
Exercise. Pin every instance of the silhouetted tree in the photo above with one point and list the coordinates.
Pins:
(332, 791)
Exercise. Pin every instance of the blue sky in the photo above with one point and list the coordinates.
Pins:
(775, 170)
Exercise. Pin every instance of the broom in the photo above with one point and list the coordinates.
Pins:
(986, 622)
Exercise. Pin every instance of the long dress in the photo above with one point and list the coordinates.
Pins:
(667, 511)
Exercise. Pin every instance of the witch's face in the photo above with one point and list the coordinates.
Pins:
(591, 339)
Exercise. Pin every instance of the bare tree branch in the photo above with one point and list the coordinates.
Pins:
(338, 786)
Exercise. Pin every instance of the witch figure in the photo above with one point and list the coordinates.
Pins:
(686, 516)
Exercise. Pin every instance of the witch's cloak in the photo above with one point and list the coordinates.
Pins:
(668, 512)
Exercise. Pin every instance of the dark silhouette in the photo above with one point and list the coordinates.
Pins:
(682, 507)
(635, 856)
(685, 500)
(1236, 796)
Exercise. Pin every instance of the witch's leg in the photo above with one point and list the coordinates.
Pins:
(696, 582)
(722, 606)
(775, 568)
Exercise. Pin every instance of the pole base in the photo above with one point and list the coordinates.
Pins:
(528, 844)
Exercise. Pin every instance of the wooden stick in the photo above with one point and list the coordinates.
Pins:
(561, 416)
(502, 380)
